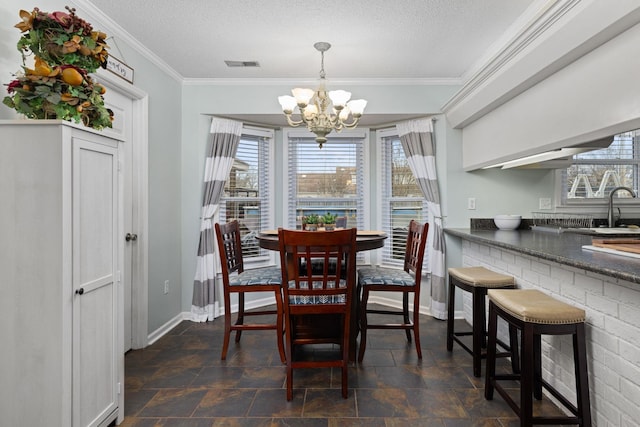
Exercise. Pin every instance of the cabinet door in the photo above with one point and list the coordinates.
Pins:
(95, 276)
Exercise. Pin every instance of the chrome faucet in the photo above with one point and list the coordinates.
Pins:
(612, 222)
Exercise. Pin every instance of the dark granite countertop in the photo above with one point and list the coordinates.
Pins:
(563, 248)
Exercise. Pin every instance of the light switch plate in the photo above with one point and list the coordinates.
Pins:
(471, 203)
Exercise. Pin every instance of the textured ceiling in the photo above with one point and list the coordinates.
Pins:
(371, 39)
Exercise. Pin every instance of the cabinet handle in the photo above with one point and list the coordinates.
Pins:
(130, 237)
(80, 291)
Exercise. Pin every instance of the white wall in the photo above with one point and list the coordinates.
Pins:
(574, 82)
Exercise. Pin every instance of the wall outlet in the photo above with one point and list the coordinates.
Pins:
(166, 287)
(545, 203)
(471, 203)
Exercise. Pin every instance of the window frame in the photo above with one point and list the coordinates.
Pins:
(595, 204)
(382, 135)
(266, 257)
(364, 220)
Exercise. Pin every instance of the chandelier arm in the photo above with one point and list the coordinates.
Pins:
(293, 123)
(352, 124)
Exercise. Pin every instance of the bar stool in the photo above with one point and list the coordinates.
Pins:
(537, 314)
(477, 280)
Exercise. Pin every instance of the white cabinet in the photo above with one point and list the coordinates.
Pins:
(60, 362)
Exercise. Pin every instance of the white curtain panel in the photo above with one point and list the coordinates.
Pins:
(418, 143)
(221, 150)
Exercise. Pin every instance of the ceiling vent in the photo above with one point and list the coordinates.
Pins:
(242, 63)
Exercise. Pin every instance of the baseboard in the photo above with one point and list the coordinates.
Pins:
(164, 329)
(186, 315)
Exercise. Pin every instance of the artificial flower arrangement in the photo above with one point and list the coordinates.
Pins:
(65, 50)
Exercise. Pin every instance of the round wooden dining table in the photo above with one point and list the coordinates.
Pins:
(366, 240)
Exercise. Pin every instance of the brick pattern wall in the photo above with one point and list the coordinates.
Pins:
(613, 329)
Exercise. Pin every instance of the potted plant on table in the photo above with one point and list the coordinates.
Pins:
(310, 223)
(329, 221)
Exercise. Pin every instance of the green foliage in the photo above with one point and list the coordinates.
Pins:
(329, 218)
(40, 97)
(311, 219)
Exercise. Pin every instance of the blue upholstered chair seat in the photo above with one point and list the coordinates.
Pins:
(317, 299)
(257, 276)
(384, 276)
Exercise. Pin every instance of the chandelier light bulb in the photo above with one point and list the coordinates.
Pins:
(339, 98)
(288, 103)
(303, 95)
(357, 106)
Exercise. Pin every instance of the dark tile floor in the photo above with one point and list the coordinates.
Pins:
(180, 381)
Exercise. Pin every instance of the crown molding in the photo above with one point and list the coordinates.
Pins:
(541, 19)
(112, 28)
(312, 82)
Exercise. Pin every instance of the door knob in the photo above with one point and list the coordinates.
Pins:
(80, 291)
(130, 237)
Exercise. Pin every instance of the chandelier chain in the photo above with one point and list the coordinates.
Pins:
(322, 73)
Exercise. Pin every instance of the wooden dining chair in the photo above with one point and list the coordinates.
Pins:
(317, 304)
(237, 280)
(406, 281)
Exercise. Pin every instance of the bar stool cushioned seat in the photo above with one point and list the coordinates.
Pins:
(535, 314)
(477, 280)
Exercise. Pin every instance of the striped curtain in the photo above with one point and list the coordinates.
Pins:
(221, 150)
(417, 141)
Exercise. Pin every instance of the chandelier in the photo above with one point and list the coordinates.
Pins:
(320, 111)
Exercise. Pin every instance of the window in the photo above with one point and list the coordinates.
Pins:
(330, 179)
(247, 190)
(401, 197)
(594, 174)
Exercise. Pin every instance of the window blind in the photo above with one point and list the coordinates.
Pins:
(247, 190)
(326, 180)
(401, 199)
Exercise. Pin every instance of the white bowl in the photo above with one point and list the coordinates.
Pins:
(507, 222)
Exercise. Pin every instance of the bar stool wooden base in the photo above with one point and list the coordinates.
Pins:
(477, 280)
(537, 314)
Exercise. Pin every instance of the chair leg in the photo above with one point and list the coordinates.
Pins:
(491, 352)
(279, 325)
(363, 324)
(582, 382)
(478, 329)
(240, 319)
(227, 327)
(405, 313)
(416, 323)
(528, 376)
(513, 344)
(537, 366)
(450, 313)
(289, 356)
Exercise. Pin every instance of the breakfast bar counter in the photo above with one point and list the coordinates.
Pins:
(606, 286)
(563, 248)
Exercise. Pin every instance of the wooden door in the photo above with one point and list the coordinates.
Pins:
(95, 201)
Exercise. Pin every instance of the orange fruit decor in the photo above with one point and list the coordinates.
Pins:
(72, 76)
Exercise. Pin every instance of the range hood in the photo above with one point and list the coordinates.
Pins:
(554, 159)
